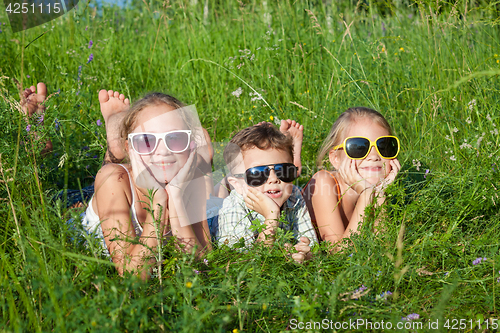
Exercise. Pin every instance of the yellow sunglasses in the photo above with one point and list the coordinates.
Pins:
(358, 147)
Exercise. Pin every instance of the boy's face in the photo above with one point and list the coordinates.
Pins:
(274, 188)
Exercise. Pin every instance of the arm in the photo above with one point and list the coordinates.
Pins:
(113, 199)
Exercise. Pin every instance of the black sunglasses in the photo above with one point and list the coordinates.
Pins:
(257, 176)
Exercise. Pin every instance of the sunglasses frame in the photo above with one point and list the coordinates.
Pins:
(372, 144)
(159, 136)
(244, 175)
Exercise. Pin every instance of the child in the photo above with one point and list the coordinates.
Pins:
(260, 161)
(160, 137)
(362, 150)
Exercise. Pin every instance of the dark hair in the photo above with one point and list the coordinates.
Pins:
(264, 136)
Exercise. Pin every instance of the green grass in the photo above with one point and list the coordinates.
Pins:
(433, 72)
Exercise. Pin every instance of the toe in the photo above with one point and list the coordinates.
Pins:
(117, 94)
(103, 96)
(110, 93)
(121, 97)
(127, 101)
(41, 90)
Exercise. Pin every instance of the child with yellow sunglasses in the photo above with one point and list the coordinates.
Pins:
(364, 152)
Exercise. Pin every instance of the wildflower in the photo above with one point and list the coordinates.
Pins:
(205, 261)
(426, 172)
(494, 132)
(236, 330)
(264, 306)
(472, 104)
(57, 124)
(91, 57)
(28, 76)
(447, 137)
(40, 119)
(250, 118)
(189, 285)
(488, 117)
(98, 122)
(237, 93)
(85, 148)
(477, 261)
(468, 121)
(416, 163)
(453, 158)
(411, 316)
(90, 43)
(95, 156)
(271, 118)
(455, 130)
(401, 49)
(196, 272)
(28, 128)
(277, 121)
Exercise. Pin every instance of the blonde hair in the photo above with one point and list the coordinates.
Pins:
(130, 121)
(346, 118)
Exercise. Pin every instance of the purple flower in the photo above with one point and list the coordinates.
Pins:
(205, 261)
(28, 76)
(85, 148)
(426, 172)
(40, 119)
(383, 28)
(95, 156)
(90, 43)
(98, 122)
(87, 166)
(478, 261)
(91, 57)
(411, 316)
(196, 272)
(28, 128)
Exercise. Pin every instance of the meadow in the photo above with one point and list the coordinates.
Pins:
(431, 67)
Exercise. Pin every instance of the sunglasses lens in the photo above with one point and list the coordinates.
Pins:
(144, 143)
(388, 147)
(177, 141)
(357, 147)
(286, 172)
(257, 176)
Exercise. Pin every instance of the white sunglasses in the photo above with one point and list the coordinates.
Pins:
(146, 143)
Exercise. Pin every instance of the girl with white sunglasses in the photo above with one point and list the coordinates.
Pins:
(363, 152)
(139, 203)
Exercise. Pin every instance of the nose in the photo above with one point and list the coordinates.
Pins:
(373, 154)
(272, 177)
(161, 148)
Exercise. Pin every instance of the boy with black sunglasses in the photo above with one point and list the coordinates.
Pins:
(260, 162)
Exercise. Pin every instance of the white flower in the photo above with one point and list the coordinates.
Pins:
(453, 158)
(455, 130)
(472, 104)
(494, 132)
(416, 163)
(237, 93)
(277, 121)
(447, 137)
(468, 121)
(488, 117)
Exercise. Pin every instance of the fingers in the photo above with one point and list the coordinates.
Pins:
(305, 240)
(298, 257)
(302, 248)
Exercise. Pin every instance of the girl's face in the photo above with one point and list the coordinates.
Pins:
(373, 168)
(162, 163)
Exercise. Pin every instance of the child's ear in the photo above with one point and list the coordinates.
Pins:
(236, 184)
(333, 156)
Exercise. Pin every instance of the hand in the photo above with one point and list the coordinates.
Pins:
(303, 250)
(145, 180)
(351, 176)
(185, 174)
(395, 167)
(262, 204)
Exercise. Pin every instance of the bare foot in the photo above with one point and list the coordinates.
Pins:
(32, 102)
(296, 130)
(113, 107)
(32, 99)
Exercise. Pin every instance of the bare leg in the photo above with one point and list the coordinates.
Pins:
(113, 108)
(296, 130)
(32, 100)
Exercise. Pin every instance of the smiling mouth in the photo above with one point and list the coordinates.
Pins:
(164, 165)
(372, 169)
(273, 193)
